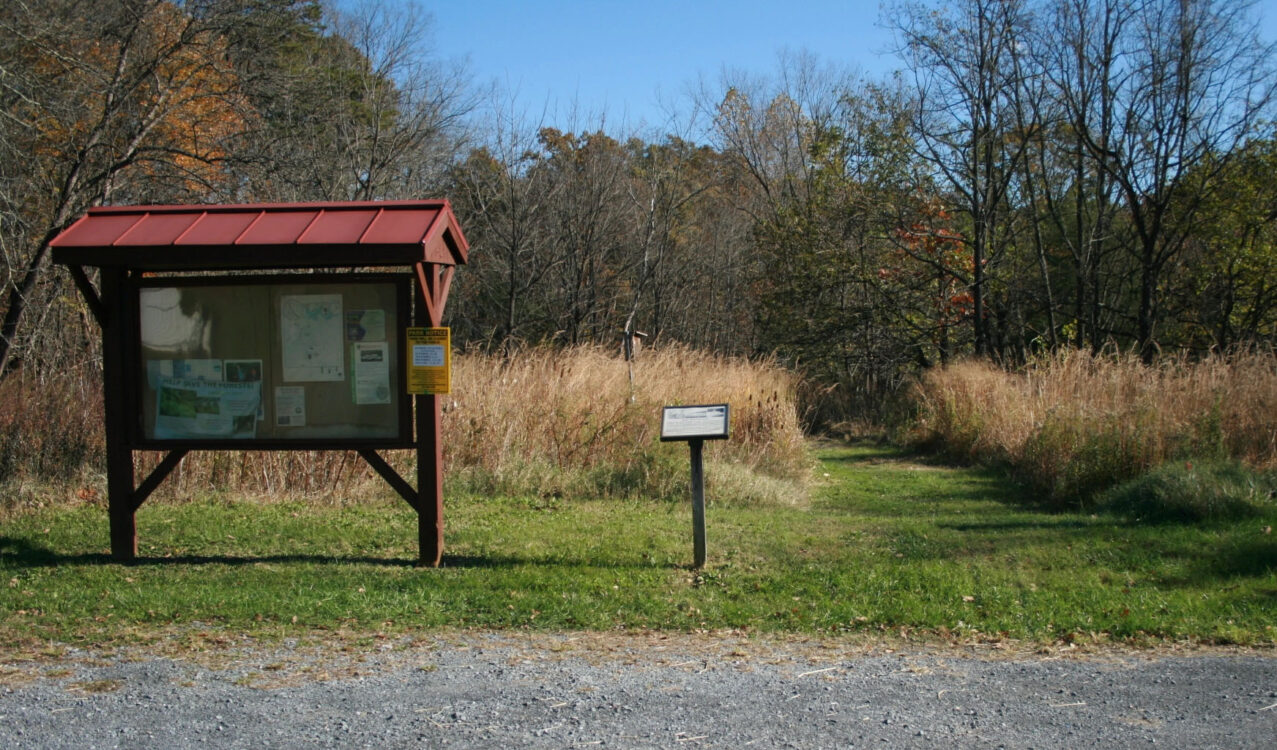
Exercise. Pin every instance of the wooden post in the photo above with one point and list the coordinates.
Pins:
(698, 503)
(429, 443)
(429, 481)
(116, 402)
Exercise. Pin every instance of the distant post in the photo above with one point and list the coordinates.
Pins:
(694, 425)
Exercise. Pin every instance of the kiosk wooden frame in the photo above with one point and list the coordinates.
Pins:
(414, 241)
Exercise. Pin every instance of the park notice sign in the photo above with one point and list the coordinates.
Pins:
(708, 422)
(429, 361)
(234, 327)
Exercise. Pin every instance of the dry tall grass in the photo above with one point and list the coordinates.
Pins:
(548, 422)
(1073, 424)
(50, 427)
(557, 422)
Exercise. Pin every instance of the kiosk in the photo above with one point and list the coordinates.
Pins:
(266, 327)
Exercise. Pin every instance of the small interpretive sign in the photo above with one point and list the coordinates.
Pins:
(694, 425)
(705, 422)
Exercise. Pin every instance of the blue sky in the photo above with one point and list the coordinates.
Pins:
(625, 58)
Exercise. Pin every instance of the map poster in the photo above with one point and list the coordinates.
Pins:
(193, 408)
(312, 337)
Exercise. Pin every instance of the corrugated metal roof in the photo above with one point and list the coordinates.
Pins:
(288, 235)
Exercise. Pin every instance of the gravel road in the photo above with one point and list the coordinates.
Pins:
(486, 690)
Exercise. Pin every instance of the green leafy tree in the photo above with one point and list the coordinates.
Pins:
(1227, 284)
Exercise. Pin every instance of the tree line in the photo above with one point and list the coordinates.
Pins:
(1039, 174)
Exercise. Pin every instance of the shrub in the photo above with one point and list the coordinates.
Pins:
(553, 421)
(1194, 491)
(50, 428)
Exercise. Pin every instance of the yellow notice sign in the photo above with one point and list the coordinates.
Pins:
(429, 360)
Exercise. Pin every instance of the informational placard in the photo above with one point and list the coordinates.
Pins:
(290, 406)
(370, 365)
(429, 360)
(705, 422)
(195, 408)
(278, 359)
(694, 425)
(366, 325)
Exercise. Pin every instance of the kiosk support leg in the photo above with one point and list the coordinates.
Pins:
(119, 455)
(429, 481)
(429, 312)
(123, 521)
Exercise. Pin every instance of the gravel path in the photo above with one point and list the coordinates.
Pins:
(486, 690)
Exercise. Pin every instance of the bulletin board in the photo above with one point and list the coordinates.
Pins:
(272, 361)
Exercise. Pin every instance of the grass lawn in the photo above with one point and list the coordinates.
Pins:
(888, 543)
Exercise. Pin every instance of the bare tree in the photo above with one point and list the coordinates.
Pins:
(97, 95)
(1187, 81)
(415, 106)
(1078, 49)
(350, 104)
(501, 201)
(968, 84)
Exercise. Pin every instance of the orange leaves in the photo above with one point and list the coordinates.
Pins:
(934, 255)
(934, 240)
(195, 98)
(158, 91)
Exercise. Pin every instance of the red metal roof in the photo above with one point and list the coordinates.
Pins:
(292, 235)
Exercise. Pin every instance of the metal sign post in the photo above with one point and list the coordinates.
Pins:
(695, 425)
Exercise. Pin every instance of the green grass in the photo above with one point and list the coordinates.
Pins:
(888, 543)
(1195, 492)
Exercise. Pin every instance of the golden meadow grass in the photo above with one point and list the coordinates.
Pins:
(1074, 423)
(543, 416)
(546, 422)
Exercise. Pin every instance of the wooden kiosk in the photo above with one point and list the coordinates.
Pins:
(265, 327)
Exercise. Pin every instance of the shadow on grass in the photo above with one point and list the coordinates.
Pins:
(20, 553)
(492, 562)
(870, 453)
(964, 482)
(1048, 524)
(1245, 560)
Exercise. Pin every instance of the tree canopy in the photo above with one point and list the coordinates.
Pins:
(1042, 173)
